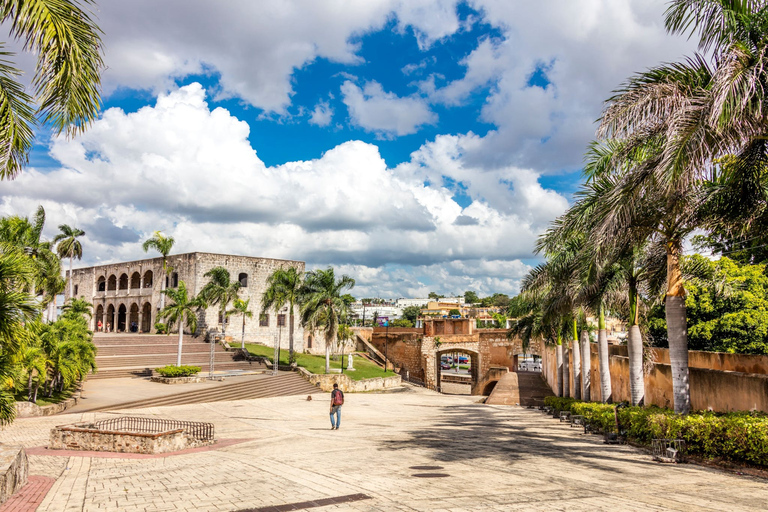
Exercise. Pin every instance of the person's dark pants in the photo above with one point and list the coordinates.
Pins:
(336, 409)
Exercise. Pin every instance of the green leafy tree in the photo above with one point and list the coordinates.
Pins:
(66, 82)
(411, 313)
(162, 244)
(182, 310)
(240, 307)
(471, 297)
(454, 312)
(435, 296)
(322, 306)
(284, 286)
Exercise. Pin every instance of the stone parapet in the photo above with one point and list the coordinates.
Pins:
(14, 470)
(327, 380)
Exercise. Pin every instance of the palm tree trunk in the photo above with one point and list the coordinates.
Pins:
(566, 373)
(242, 335)
(328, 356)
(559, 363)
(37, 388)
(636, 381)
(71, 283)
(291, 357)
(29, 387)
(576, 356)
(586, 364)
(677, 331)
(181, 340)
(603, 360)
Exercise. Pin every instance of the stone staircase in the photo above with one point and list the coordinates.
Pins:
(136, 355)
(520, 388)
(282, 384)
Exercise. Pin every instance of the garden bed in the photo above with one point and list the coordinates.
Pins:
(178, 380)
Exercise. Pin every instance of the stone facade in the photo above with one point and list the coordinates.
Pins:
(417, 351)
(129, 293)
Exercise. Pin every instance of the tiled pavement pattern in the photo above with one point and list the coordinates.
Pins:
(415, 450)
(30, 496)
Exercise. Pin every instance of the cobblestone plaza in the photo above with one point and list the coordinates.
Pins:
(412, 450)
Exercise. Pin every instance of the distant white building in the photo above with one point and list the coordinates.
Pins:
(422, 303)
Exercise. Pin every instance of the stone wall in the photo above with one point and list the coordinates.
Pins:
(14, 470)
(81, 437)
(327, 380)
(142, 301)
(712, 388)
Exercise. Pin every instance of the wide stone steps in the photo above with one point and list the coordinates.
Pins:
(283, 384)
(132, 355)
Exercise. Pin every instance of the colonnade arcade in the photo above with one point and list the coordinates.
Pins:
(123, 316)
(114, 282)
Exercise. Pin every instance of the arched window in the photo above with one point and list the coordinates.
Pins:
(123, 285)
(112, 283)
(243, 278)
(148, 279)
(135, 280)
(101, 284)
(309, 342)
(175, 280)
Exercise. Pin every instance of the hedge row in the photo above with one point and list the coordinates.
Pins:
(177, 371)
(738, 436)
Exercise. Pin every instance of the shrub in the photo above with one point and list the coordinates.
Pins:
(738, 436)
(177, 371)
(161, 328)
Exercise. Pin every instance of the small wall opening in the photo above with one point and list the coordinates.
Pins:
(243, 278)
(489, 387)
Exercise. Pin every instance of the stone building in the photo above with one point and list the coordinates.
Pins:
(126, 296)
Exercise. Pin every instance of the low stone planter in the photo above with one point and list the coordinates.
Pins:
(30, 410)
(132, 435)
(178, 380)
(14, 470)
(327, 380)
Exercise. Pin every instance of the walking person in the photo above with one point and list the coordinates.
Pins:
(337, 400)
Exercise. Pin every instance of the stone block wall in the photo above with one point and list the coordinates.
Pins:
(712, 388)
(14, 470)
(80, 437)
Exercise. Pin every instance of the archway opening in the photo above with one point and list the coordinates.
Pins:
(101, 284)
(135, 281)
(121, 317)
(458, 371)
(109, 322)
(98, 318)
(146, 317)
(112, 283)
(133, 319)
(489, 387)
(527, 363)
(123, 284)
(148, 279)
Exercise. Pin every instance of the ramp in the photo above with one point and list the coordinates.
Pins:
(520, 388)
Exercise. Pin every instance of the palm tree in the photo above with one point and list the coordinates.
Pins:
(52, 283)
(322, 305)
(162, 244)
(220, 290)
(284, 287)
(66, 81)
(182, 310)
(77, 308)
(17, 306)
(240, 307)
(69, 246)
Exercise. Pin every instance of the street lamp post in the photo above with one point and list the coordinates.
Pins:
(386, 345)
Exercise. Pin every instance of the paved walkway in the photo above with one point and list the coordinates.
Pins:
(415, 450)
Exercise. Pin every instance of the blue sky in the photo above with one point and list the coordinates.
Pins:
(415, 145)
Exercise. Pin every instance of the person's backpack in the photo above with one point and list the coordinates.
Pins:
(338, 397)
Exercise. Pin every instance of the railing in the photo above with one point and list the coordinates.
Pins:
(196, 429)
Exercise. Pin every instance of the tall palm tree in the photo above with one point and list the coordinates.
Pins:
(322, 305)
(182, 310)
(69, 246)
(284, 287)
(66, 82)
(240, 307)
(162, 244)
(220, 291)
(52, 283)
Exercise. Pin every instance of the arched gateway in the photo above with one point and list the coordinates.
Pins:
(418, 351)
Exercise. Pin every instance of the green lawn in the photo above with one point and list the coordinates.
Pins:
(43, 400)
(364, 369)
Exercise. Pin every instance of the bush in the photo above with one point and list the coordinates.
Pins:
(177, 371)
(161, 328)
(738, 436)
